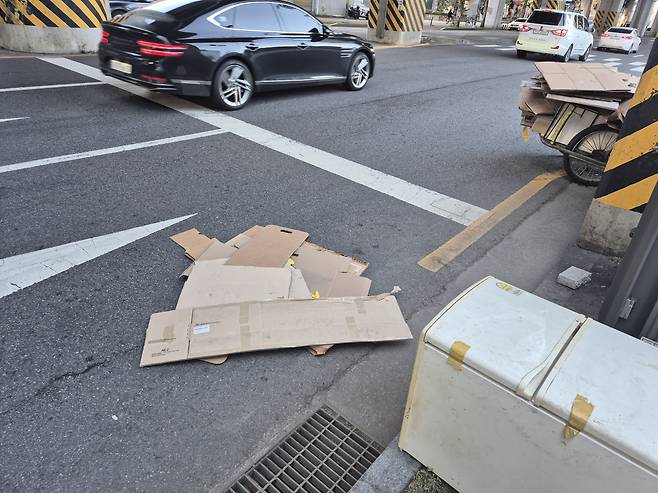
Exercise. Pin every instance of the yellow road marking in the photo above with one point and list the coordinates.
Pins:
(456, 245)
(387, 47)
(633, 146)
(633, 195)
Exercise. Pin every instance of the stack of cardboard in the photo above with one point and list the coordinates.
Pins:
(268, 288)
(575, 96)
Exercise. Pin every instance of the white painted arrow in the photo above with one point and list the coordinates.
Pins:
(21, 271)
(3, 120)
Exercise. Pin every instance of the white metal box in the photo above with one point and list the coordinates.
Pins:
(491, 400)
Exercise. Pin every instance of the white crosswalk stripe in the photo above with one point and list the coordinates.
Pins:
(637, 63)
(506, 49)
(638, 69)
(637, 56)
(611, 59)
(486, 46)
(612, 64)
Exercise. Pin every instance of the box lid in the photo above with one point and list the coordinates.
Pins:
(514, 336)
(618, 376)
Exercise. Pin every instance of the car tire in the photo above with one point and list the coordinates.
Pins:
(521, 53)
(359, 72)
(567, 55)
(585, 56)
(233, 85)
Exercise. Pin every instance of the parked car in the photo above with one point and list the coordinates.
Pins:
(357, 9)
(229, 49)
(625, 39)
(555, 32)
(120, 7)
(516, 23)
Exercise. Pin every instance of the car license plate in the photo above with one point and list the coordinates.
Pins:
(540, 32)
(126, 68)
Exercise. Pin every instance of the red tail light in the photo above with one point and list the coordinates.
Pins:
(560, 32)
(524, 28)
(160, 49)
(105, 38)
(628, 37)
(152, 78)
(605, 35)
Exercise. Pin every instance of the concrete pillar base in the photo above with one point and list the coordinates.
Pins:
(394, 37)
(607, 229)
(34, 39)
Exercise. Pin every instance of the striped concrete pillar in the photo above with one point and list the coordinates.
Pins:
(404, 21)
(608, 15)
(51, 26)
(553, 4)
(631, 173)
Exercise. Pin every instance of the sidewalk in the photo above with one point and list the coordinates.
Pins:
(530, 257)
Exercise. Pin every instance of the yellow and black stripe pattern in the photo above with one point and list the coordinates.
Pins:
(54, 13)
(632, 170)
(604, 20)
(402, 16)
(555, 4)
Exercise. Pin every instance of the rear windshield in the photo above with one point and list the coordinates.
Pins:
(620, 30)
(546, 18)
(164, 16)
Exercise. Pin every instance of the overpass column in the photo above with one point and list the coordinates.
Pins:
(494, 14)
(654, 28)
(641, 16)
(631, 173)
(402, 24)
(607, 15)
(586, 7)
(51, 26)
(553, 4)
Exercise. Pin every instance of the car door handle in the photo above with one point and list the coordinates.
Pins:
(252, 46)
(303, 46)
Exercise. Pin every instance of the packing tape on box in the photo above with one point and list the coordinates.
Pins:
(457, 353)
(581, 410)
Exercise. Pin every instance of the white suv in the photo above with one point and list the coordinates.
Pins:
(555, 32)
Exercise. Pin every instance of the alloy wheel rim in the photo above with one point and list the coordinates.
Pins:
(360, 71)
(234, 86)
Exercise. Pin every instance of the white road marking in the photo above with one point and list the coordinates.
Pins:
(637, 56)
(638, 69)
(506, 49)
(21, 271)
(611, 59)
(3, 120)
(108, 150)
(52, 86)
(486, 46)
(612, 64)
(423, 198)
(637, 63)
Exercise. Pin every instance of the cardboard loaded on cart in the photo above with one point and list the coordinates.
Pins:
(563, 100)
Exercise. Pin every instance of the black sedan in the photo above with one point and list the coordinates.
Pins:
(229, 49)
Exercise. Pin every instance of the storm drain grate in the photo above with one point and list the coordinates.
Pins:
(325, 454)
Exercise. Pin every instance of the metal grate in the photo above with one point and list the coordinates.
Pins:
(325, 454)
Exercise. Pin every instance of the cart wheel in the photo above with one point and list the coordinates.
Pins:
(595, 143)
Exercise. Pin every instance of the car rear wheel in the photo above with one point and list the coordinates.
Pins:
(521, 53)
(567, 55)
(359, 72)
(233, 85)
(585, 56)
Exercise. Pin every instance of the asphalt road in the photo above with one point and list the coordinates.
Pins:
(76, 411)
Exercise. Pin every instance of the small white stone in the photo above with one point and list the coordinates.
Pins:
(115, 417)
(574, 277)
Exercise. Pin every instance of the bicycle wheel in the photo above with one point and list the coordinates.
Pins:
(594, 143)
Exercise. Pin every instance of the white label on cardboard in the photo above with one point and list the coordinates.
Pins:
(201, 329)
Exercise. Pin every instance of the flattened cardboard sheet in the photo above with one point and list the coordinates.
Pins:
(254, 326)
(583, 77)
(272, 246)
(213, 283)
(193, 242)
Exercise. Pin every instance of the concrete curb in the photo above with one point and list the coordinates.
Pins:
(390, 473)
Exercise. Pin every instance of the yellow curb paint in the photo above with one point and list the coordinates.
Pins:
(633, 146)
(456, 245)
(632, 196)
